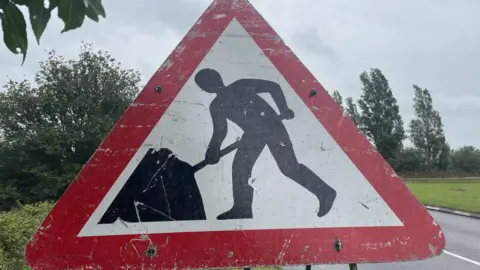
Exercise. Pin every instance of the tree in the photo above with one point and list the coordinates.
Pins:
(426, 131)
(466, 159)
(50, 130)
(72, 13)
(352, 111)
(380, 119)
(411, 160)
(337, 97)
(444, 162)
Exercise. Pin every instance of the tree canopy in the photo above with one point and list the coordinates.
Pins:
(50, 127)
(380, 118)
(352, 111)
(466, 158)
(380, 121)
(426, 130)
(337, 97)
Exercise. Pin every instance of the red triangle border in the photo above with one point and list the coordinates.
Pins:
(55, 245)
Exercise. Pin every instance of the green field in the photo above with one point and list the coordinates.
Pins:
(458, 195)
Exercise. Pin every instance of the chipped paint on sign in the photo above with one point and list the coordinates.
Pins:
(264, 172)
(219, 16)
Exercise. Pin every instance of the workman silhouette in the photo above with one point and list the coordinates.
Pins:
(240, 103)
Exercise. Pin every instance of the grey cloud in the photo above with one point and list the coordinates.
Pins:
(179, 15)
(308, 39)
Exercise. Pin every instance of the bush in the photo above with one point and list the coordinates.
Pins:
(16, 228)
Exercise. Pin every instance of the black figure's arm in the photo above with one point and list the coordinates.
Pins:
(264, 86)
(220, 129)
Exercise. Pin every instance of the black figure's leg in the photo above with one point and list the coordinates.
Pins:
(281, 148)
(242, 166)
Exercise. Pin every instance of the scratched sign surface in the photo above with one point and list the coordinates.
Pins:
(233, 155)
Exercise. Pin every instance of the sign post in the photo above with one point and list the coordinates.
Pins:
(233, 155)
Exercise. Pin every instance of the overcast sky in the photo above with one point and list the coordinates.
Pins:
(432, 43)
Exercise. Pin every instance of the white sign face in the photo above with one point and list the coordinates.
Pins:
(284, 172)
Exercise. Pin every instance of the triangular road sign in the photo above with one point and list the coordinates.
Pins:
(295, 182)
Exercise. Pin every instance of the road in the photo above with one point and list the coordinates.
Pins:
(462, 251)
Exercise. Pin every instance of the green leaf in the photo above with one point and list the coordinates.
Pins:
(91, 13)
(39, 17)
(53, 4)
(97, 7)
(3, 3)
(14, 30)
(72, 12)
(22, 2)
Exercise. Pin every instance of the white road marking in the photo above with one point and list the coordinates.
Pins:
(461, 258)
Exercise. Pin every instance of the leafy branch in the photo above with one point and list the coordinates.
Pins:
(72, 13)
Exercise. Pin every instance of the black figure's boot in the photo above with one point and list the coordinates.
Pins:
(242, 204)
(326, 195)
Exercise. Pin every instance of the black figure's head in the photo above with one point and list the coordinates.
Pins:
(209, 80)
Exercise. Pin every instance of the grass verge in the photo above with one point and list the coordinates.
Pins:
(454, 195)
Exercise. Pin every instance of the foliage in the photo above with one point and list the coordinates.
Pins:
(466, 159)
(72, 13)
(338, 98)
(380, 119)
(352, 111)
(410, 160)
(426, 131)
(52, 126)
(444, 162)
(16, 228)
(381, 123)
